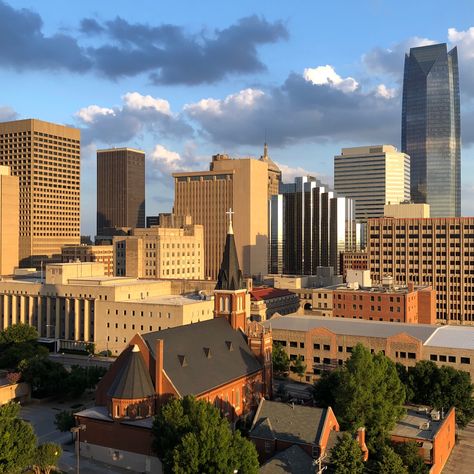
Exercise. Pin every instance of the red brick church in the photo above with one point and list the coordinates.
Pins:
(226, 361)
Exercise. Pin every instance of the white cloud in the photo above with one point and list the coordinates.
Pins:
(90, 113)
(244, 99)
(386, 92)
(165, 159)
(326, 75)
(137, 101)
(466, 38)
(289, 173)
(7, 113)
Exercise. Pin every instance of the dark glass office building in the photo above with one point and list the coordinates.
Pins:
(431, 127)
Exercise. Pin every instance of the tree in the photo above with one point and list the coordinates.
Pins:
(410, 454)
(324, 388)
(12, 354)
(298, 367)
(280, 359)
(17, 440)
(190, 436)
(46, 458)
(64, 420)
(346, 456)
(390, 462)
(18, 333)
(365, 392)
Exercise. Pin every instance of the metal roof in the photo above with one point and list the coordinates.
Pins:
(455, 337)
(351, 327)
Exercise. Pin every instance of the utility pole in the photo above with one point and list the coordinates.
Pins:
(77, 430)
(318, 464)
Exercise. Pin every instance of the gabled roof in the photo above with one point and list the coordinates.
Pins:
(288, 422)
(230, 276)
(213, 352)
(293, 460)
(267, 293)
(133, 380)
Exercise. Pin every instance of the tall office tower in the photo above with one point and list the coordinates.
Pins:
(309, 227)
(9, 221)
(428, 251)
(274, 173)
(46, 159)
(120, 189)
(240, 184)
(372, 176)
(431, 127)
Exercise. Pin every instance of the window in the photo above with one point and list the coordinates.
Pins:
(411, 355)
(293, 344)
(403, 355)
(465, 360)
(327, 347)
(326, 360)
(302, 345)
(348, 349)
(317, 360)
(442, 358)
(452, 359)
(317, 346)
(293, 356)
(339, 348)
(434, 357)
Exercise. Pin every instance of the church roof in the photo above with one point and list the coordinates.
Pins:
(199, 357)
(230, 276)
(133, 380)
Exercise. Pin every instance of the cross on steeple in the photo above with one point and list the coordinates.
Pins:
(229, 213)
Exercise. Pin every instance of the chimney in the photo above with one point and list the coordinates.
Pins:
(159, 366)
(411, 287)
(360, 437)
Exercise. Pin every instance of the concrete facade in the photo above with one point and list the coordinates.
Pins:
(161, 252)
(437, 252)
(240, 184)
(407, 209)
(9, 221)
(372, 176)
(46, 159)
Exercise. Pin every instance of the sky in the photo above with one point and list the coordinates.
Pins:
(184, 80)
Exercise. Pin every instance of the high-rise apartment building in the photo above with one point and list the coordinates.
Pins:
(438, 252)
(46, 159)
(431, 127)
(9, 221)
(161, 252)
(309, 227)
(372, 176)
(120, 189)
(240, 184)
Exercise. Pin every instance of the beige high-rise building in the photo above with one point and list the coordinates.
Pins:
(437, 251)
(407, 209)
(46, 159)
(161, 252)
(9, 221)
(240, 184)
(274, 173)
(372, 176)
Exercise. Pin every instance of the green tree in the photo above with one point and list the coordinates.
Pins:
(46, 458)
(190, 436)
(45, 376)
(18, 333)
(390, 462)
(17, 440)
(324, 388)
(410, 454)
(280, 359)
(64, 420)
(12, 354)
(346, 456)
(298, 367)
(365, 392)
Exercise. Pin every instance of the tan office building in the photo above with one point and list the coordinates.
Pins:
(9, 221)
(372, 176)
(90, 253)
(161, 252)
(274, 173)
(120, 189)
(46, 159)
(407, 209)
(77, 304)
(438, 252)
(240, 184)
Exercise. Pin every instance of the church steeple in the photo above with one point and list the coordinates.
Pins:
(230, 275)
(231, 298)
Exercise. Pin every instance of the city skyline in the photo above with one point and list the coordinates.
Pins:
(302, 84)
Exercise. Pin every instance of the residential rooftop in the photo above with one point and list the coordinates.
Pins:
(417, 424)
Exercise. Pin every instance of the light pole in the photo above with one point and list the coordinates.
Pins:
(77, 430)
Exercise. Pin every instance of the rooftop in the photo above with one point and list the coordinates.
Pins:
(170, 300)
(266, 293)
(417, 424)
(292, 460)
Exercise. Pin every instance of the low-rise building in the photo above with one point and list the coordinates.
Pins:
(433, 432)
(90, 253)
(325, 343)
(354, 261)
(161, 252)
(266, 301)
(75, 303)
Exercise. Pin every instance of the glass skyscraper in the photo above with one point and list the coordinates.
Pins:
(431, 127)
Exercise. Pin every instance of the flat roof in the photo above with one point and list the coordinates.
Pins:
(104, 150)
(410, 426)
(172, 300)
(455, 337)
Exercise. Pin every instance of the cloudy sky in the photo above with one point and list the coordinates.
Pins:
(187, 79)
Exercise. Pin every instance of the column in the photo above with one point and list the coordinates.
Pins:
(57, 330)
(67, 310)
(31, 309)
(77, 319)
(14, 299)
(22, 309)
(40, 315)
(87, 320)
(48, 316)
(6, 312)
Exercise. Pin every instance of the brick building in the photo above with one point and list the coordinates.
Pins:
(226, 361)
(436, 251)
(354, 261)
(90, 253)
(325, 343)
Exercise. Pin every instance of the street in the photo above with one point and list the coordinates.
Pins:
(81, 360)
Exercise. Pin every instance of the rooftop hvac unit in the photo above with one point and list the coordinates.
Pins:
(435, 415)
(425, 426)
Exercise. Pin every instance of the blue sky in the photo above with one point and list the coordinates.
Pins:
(184, 80)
